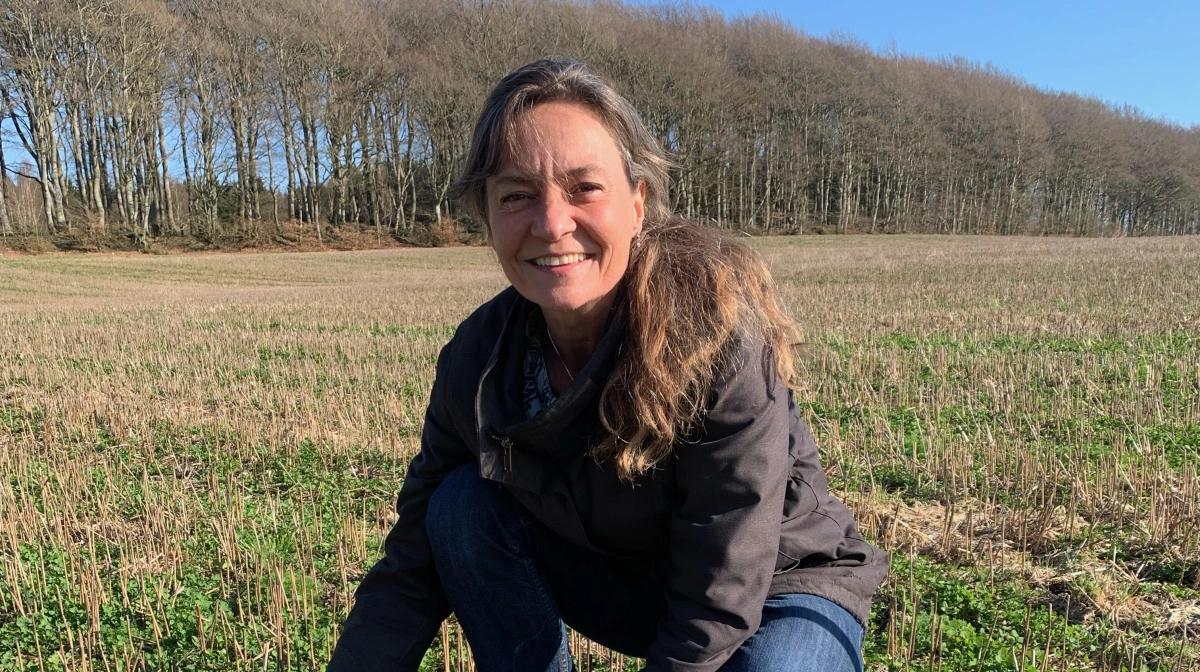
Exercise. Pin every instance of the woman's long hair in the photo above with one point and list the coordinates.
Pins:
(690, 292)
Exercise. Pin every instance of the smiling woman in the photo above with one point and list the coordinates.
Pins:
(651, 484)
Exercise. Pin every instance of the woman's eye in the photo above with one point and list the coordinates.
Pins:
(511, 198)
(587, 188)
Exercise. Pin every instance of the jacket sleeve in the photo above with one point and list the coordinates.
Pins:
(399, 606)
(724, 531)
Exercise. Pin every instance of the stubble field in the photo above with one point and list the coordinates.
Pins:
(199, 454)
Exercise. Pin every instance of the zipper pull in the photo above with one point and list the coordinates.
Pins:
(506, 444)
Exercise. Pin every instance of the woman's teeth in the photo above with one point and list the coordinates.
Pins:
(560, 261)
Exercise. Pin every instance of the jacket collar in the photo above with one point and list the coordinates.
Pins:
(505, 435)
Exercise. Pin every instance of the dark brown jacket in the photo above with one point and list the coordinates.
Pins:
(732, 517)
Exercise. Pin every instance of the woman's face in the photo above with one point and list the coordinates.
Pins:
(562, 213)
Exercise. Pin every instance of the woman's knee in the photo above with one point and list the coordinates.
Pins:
(801, 633)
(460, 498)
(464, 511)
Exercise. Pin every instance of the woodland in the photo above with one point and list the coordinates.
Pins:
(220, 120)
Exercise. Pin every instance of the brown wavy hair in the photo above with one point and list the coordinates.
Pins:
(690, 292)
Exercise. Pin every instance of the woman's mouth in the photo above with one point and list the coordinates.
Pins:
(551, 261)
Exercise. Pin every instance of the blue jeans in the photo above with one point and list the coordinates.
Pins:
(512, 584)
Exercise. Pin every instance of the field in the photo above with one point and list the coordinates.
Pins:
(199, 453)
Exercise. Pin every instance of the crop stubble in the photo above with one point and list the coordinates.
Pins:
(199, 453)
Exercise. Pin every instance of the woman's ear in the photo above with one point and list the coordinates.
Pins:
(639, 207)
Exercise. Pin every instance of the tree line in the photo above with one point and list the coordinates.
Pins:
(209, 118)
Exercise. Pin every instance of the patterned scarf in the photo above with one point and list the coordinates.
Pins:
(538, 395)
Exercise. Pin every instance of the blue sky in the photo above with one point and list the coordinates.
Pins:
(1146, 53)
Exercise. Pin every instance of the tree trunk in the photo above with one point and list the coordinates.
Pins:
(164, 175)
(5, 221)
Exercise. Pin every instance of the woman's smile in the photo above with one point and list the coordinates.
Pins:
(563, 269)
(561, 262)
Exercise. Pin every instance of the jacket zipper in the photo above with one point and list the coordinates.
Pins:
(506, 444)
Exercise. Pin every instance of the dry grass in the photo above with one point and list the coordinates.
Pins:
(199, 453)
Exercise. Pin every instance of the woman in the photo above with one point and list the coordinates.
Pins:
(611, 442)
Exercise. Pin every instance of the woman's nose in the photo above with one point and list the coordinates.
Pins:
(553, 218)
